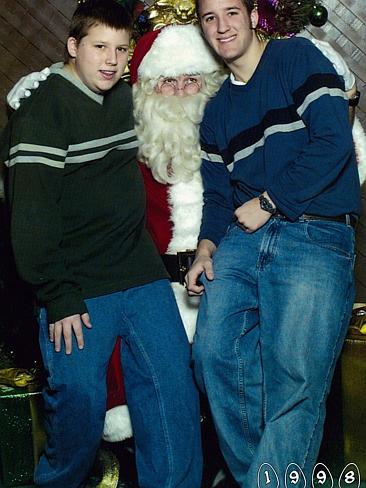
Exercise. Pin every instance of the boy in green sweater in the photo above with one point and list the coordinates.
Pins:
(77, 204)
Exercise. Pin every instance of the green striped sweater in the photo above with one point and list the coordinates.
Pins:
(76, 195)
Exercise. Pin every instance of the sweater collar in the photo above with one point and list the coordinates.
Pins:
(75, 81)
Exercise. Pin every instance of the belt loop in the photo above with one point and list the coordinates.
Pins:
(185, 261)
(348, 219)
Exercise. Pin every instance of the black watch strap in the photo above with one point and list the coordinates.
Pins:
(353, 102)
(266, 205)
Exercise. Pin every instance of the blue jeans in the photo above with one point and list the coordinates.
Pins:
(270, 328)
(161, 395)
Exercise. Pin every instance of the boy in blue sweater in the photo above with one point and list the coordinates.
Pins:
(276, 251)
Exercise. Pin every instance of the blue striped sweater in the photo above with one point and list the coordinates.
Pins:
(286, 131)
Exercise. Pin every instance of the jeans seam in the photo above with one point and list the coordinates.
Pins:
(47, 345)
(242, 397)
(159, 400)
(45, 340)
(268, 249)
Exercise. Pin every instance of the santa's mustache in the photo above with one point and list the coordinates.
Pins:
(174, 108)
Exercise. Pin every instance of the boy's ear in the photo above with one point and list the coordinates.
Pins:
(254, 18)
(72, 47)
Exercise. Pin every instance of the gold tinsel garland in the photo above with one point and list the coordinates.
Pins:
(18, 377)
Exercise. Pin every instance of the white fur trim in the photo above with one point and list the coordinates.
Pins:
(117, 424)
(359, 138)
(188, 309)
(185, 202)
(178, 50)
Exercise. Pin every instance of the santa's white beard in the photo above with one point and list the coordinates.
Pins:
(168, 132)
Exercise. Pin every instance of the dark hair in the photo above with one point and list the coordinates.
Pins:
(98, 12)
(248, 4)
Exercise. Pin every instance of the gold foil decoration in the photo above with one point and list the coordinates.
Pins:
(17, 377)
(167, 12)
(109, 466)
(358, 320)
(263, 36)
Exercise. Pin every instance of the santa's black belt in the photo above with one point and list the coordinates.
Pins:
(349, 219)
(178, 264)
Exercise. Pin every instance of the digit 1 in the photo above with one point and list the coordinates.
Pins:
(267, 477)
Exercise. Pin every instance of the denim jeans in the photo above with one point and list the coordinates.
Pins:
(161, 395)
(270, 328)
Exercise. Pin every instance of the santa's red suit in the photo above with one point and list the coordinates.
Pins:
(174, 210)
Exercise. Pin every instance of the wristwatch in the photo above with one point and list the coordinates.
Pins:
(353, 102)
(266, 205)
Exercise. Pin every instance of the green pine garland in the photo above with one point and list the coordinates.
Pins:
(293, 15)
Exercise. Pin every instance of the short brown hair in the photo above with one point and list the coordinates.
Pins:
(98, 12)
(248, 4)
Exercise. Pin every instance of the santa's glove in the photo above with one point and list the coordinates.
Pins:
(337, 61)
(22, 89)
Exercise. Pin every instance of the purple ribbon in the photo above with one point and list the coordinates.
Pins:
(267, 15)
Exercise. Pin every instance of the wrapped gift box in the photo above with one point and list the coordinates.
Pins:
(344, 438)
(22, 436)
(353, 363)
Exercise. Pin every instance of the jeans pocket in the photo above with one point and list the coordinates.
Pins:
(335, 236)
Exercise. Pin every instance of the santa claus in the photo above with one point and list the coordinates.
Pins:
(173, 75)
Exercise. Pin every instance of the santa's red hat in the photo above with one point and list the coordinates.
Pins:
(172, 51)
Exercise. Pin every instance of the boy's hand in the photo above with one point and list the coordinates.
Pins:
(250, 215)
(202, 264)
(66, 328)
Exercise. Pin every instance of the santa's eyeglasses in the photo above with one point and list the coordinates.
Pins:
(188, 84)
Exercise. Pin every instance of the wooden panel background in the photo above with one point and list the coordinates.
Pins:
(32, 35)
